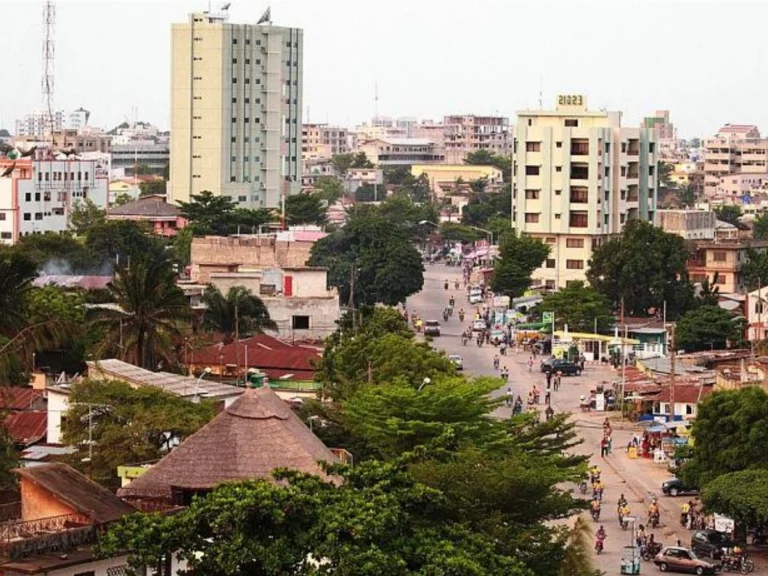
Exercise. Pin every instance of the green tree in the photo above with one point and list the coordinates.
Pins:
(665, 174)
(709, 292)
(486, 158)
(128, 425)
(9, 459)
(705, 328)
(342, 163)
(742, 496)
(455, 232)
(182, 246)
(58, 251)
(329, 189)
(687, 195)
(760, 227)
(520, 255)
(579, 307)
(239, 312)
(360, 160)
(141, 169)
(578, 552)
(123, 198)
(85, 215)
(153, 187)
(206, 211)
(730, 213)
(373, 253)
(367, 193)
(304, 209)
(244, 220)
(644, 267)
(16, 275)
(377, 520)
(755, 269)
(730, 432)
(150, 313)
(120, 240)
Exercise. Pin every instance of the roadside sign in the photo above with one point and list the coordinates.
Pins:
(548, 317)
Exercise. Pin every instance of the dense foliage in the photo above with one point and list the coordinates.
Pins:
(742, 496)
(239, 312)
(707, 327)
(519, 256)
(580, 307)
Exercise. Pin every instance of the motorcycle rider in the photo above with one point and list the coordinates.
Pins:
(505, 374)
(496, 362)
(653, 512)
(640, 536)
(595, 508)
(622, 501)
(685, 509)
(461, 315)
(451, 301)
(623, 513)
(600, 539)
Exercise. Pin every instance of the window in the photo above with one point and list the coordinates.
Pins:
(27, 216)
(532, 194)
(579, 220)
(89, 573)
(579, 195)
(549, 240)
(533, 146)
(531, 218)
(558, 192)
(38, 215)
(232, 179)
(719, 256)
(722, 279)
(37, 196)
(2, 216)
(574, 243)
(300, 322)
(550, 263)
(234, 60)
(622, 218)
(5, 235)
(532, 170)
(580, 171)
(28, 196)
(571, 123)
(558, 168)
(558, 144)
(549, 284)
(652, 147)
(574, 264)
(234, 40)
(242, 198)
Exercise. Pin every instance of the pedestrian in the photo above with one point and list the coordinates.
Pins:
(547, 397)
(530, 364)
(603, 447)
(558, 376)
(549, 378)
(608, 444)
(549, 413)
(582, 361)
(496, 362)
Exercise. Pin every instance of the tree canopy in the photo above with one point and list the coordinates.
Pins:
(519, 255)
(153, 187)
(742, 496)
(238, 312)
(706, 328)
(219, 215)
(645, 267)
(579, 306)
(486, 158)
(760, 227)
(329, 188)
(305, 209)
(372, 258)
(730, 213)
(730, 433)
(128, 425)
(755, 269)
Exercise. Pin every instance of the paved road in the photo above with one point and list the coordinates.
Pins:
(620, 474)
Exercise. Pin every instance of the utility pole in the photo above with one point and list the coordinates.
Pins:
(623, 358)
(237, 344)
(351, 303)
(672, 374)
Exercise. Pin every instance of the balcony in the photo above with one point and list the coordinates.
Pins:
(579, 172)
(579, 147)
(20, 539)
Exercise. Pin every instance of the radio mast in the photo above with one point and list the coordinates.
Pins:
(49, 25)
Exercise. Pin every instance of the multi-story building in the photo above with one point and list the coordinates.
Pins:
(37, 123)
(688, 224)
(402, 151)
(236, 100)
(664, 132)
(39, 194)
(578, 176)
(470, 133)
(320, 141)
(156, 155)
(456, 178)
(721, 262)
(735, 149)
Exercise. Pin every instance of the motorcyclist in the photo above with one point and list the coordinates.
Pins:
(463, 339)
(461, 315)
(653, 512)
(505, 374)
(496, 362)
(595, 507)
(445, 284)
(597, 489)
(685, 509)
(640, 536)
(623, 513)
(600, 539)
(622, 502)
(594, 474)
(451, 301)
(456, 284)
(503, 347)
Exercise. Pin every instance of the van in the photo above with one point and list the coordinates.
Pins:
(475, 296)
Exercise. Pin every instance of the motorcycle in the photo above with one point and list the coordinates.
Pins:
(445, 285)
(595, 515)
(738, 563)
(623, 522)
(456, 284)
(599, 545)
(583, 486)
(649, 551)
(479, 342)
(463, 340)
(461, 316)
(653, 521)
(445, 316)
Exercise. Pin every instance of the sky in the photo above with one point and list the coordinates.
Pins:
(703, 61)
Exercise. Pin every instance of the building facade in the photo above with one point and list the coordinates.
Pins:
(402, 151)
(469, 133)
(664, 132)
(455, 178)
(578, 176)
(736, 149)
(688, 224)
(38, 195)
(152, 154)
(721, 263)
(236, 100)
(321, 142)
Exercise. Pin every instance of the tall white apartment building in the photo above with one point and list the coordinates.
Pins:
(236, 101)
(578, 176)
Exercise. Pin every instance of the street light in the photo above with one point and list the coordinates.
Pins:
(423, 222)
(206, 370)
(426, 382)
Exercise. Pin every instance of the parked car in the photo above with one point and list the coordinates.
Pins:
(567, 367)
(478, 326)
(431, 328)
(678, 559)
(710, 543)
(475, 298)
(498, 336)
(457, 360)
(676, 487)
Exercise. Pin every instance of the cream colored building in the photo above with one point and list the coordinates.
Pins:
(578, 176)
(447, 178)
(236, 100)
(402, 151)
(736, 149)
(321, 141)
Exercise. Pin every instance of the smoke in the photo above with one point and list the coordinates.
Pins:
(63, 267)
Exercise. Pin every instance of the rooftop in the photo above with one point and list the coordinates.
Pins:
(176, 384)
(685, 394)
(252, 437)
(147, 207)
(26, 428)
(18, 398)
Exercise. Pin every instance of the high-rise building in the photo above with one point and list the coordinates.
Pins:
(578, 176)
(321, 141)
(736, 150)
(236, 100)
(664, 131)
(469, 133)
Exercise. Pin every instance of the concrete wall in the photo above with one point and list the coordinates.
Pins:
(38, 503)
(323, 314)
(308, 283)
(58, 404)
(689, 224)
(251, 252)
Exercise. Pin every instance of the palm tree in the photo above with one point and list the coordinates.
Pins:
(239, 312)
(149, 316)
(578, 557)
(16, 275)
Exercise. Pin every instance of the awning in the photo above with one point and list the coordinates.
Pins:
(591, 336)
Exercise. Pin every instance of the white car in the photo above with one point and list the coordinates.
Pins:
(475, 298)
(478, 326)
(457, 360)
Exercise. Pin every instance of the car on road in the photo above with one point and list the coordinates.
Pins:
(678, 559)
(431, 328)
(710, 543)
(676, 487)
(555, 365)
(457, 360)
(498, 336)
(478, 326)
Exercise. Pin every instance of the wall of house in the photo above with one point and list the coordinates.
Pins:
(323, 313)
(308, 283)
(98, 567)
(58, 404)
(38, 503)
(226, 280)
(250, 252)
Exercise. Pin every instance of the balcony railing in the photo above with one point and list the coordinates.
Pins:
(21, 539)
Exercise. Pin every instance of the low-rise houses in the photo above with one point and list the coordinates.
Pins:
(456, 178)
(722, 262)
(163, 219)
(402, 151)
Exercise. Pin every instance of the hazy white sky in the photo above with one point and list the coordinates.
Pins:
(705, 61)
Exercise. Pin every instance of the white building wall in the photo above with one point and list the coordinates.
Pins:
(323, 314)
(58, 404)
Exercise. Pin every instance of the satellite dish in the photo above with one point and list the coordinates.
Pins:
(266, 17)
(226, 6)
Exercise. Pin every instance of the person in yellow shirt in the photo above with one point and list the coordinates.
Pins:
(623, 513)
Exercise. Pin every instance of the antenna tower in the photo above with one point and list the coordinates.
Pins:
(49, 25)
(376, 101)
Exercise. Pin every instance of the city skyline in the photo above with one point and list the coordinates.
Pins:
(114, 57)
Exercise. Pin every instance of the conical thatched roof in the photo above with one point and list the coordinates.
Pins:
(256, 434)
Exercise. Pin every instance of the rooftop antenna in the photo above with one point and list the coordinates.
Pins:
(266, 17)
(49, 24)
(376, 100)
(541, 93)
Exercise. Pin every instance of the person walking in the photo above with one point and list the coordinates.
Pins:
(558, 376)
(547, 397)
(530, 364)
(549, 378)
(603, 447)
